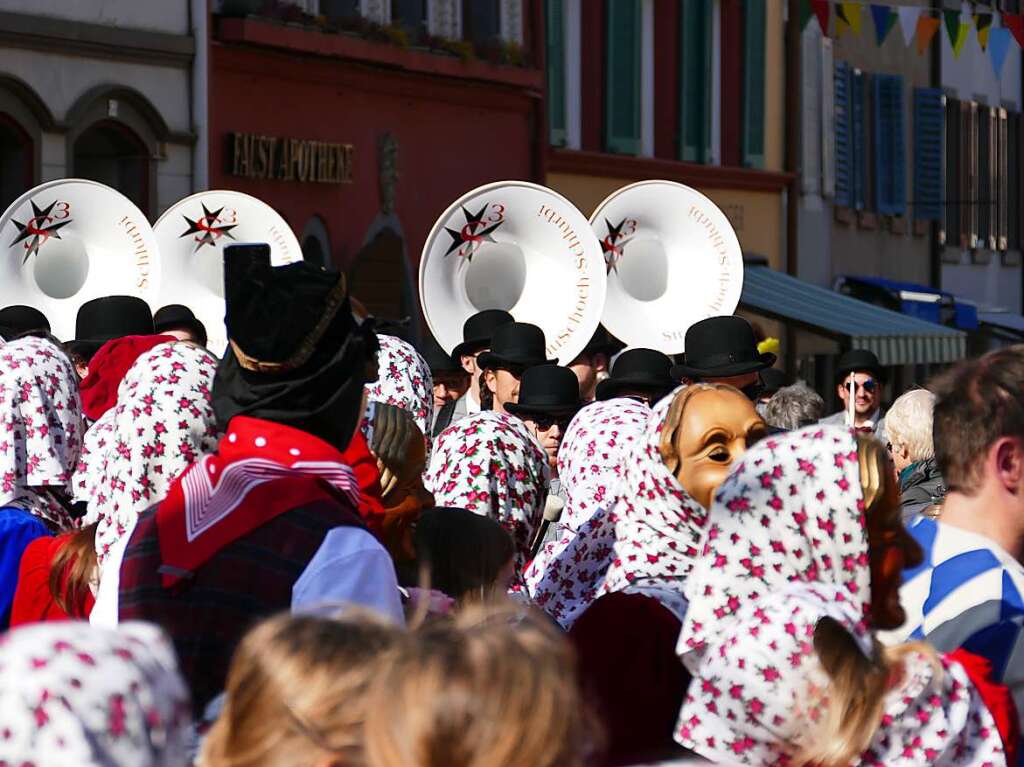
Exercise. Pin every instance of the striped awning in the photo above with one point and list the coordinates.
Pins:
(896, 338)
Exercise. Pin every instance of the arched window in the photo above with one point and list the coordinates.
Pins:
(110, 152)
(316, 243)
(16, 160)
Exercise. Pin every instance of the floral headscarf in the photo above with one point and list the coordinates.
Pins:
(90, 459)
(787, 547)
(162, 423)
(658, 526)
(77, 695)
(404, 381)
(490, 464)
(591, 463)
(41, 427)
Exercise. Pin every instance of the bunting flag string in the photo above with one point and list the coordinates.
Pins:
(919, 25)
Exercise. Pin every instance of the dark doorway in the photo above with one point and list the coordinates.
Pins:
(114, 155)
(15, 161)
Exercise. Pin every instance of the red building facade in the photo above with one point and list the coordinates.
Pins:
(361, 144)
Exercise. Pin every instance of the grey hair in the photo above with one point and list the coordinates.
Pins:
(793, 407)
(909, 423)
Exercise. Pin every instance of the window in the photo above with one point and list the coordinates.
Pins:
(754, 34)
(481, 21)
(112, 154)
(928, 128)
(695, 77)
(851, 150)
(1013, 181)
(16, 161)
(340, 9)
(554, 20)
(411, 16)
(890, 153)
(987, 160)
(622, 77)
(952, 144)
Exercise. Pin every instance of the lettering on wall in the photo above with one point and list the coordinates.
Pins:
(288, 159)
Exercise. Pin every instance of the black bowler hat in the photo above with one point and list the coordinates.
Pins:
(773, 380)
(440, 362)
(638, 369)
(721, 347)
(18, 319)
(178, 317)
(859, 361)
(478, 330)
(515, 346)
(104, 319)
(547, 390)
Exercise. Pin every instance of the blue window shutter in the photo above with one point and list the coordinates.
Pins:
(858, 137)
(890, 157)
(844, 147)
(622, 77)
(928, 126)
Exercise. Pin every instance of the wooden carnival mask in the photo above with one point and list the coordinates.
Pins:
(708, 428)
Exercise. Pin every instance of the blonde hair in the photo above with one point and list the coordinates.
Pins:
(296, 691)
(491, 688)
(855, 696)
(909, 423)
(857, 685)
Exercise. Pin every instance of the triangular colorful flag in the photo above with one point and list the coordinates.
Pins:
(805, 13)
(998, 46)
(884, 18)
(983, 23)
(952, 25)
(908, 22)
(961, 38)
(1015, 23)
(849, 14)
(821, 10)
(926, 29)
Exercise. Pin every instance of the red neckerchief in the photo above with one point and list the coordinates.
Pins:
(261, 469)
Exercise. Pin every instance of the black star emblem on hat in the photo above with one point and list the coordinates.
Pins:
(467, 239)
(207, 225)
(40, 228)
(612, 244)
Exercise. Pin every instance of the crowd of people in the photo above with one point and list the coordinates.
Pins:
(330, 547)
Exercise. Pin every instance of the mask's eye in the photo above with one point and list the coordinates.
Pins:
(719, 455)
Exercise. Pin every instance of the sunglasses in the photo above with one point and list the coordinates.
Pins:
(545, 422)
(870, 385)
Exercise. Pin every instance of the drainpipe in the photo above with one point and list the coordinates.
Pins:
(199, 13)
(792, 161)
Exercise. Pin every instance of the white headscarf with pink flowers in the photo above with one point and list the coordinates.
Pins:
(591, 463)
(163, 422)
(490, 464)
(786, 547)
(77, 695)
(403, 380)
(41, 427)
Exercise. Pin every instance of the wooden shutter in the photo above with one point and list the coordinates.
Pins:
(843, 135)
(554, 19)
(754, 41)
(695, 81)
(950, 232)
(969, 169)
(928, 130)
(1002, 180)
(859, 137)
(890, 154)
(983, 201)
(622, 80)
(1013, 192)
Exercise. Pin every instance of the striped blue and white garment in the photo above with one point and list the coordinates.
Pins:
(967, 593)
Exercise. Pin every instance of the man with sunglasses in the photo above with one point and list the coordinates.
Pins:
(860, 370)
(549, 398)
